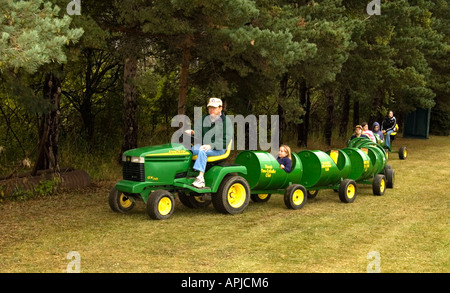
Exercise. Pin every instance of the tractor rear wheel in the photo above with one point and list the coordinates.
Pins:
(194, 200)
(402, 153)
(233, 195)
(120, 202)
(160, 205)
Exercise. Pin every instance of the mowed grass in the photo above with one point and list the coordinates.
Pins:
(408, 227)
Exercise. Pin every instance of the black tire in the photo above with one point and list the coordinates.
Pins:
(160, 205)
(387, 167)
(390, 176)
(295, 196)
(233, 195)
(260, 197)
(348, 191)
(120, 202)
(311, 194)
(379, 184)
(402, 153)
(194, 200)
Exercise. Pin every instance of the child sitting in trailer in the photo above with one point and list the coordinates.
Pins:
(284, 158)
(367, 132)
(377, 132)
(358, 132)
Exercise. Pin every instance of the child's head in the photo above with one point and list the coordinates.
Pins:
(284, 151)
(365, 126)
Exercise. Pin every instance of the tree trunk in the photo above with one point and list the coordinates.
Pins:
(130, 125)
(345, 114)
(355, 113)
(283, 95)
(329, 121)
(87, 115)
(49, 128)
(377, 102)
(185, 62)
(303, 127)
(86, 105)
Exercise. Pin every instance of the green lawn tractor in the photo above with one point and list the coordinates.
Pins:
(402, 151)
(153, 174)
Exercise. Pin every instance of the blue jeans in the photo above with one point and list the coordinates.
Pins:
(387, 142)
(200, 163)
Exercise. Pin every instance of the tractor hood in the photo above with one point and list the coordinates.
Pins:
(165, 150)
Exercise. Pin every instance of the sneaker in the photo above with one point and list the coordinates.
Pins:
(199, 182)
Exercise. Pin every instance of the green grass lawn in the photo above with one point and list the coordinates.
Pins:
(408, 227)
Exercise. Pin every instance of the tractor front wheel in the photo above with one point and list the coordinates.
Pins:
(160, 205)
(120, 202)
(402, 153)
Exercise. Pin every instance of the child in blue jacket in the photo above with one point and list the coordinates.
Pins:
(284, 158)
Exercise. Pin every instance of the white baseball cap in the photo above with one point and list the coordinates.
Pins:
(214, 102)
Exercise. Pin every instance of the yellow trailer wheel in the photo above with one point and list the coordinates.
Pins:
(295, 196)
(347, 191)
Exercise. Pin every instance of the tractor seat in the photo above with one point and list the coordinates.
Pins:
(395, 130)
(393, 134)
(218, 158)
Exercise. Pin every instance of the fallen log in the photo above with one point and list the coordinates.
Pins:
(69, 178)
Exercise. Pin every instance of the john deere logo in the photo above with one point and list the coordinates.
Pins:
(366, 165)
(268, 170)
(326, 165)
(128, 159)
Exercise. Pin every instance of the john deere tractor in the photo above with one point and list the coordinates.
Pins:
(153, 174)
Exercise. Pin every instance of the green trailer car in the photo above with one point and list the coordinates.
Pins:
(361, 142)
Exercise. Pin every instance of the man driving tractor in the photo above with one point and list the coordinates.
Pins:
(216, 133)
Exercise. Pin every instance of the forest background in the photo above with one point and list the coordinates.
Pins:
(80, 89)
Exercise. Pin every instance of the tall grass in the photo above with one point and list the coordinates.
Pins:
(408, 227)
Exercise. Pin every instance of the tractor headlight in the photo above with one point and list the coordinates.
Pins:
(137, 159)
(133, 159)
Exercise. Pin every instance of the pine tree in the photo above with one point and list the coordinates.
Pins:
(439, 60)
(33, 35)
